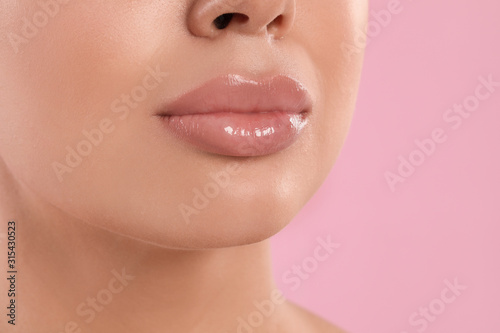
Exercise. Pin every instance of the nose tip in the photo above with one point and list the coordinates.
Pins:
(209, 18)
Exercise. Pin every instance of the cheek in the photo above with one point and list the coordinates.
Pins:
(64, 78)
(62, 84)
(326, 28)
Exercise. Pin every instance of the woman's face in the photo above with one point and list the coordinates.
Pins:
(82, 84)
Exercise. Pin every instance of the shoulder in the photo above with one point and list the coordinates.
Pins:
(305, 321)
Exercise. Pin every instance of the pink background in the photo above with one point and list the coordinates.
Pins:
(443, 222)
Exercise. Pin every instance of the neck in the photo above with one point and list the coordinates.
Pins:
(73, 276)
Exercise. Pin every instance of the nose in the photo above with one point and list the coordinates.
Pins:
(209, 18)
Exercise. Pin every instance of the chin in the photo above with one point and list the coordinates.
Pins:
(234, 218)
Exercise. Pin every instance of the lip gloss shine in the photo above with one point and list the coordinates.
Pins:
(232, 116)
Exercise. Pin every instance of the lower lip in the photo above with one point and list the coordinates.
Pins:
(238, 134)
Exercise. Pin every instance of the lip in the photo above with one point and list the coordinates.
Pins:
(235, 116)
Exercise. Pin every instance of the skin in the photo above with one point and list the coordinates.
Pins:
(119, 208)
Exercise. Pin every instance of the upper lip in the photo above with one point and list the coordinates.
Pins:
(235, 93)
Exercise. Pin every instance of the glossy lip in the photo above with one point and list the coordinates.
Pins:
(234, 116)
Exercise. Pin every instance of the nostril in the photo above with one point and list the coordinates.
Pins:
(223, 21)
(222, 18)
(277, 21)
